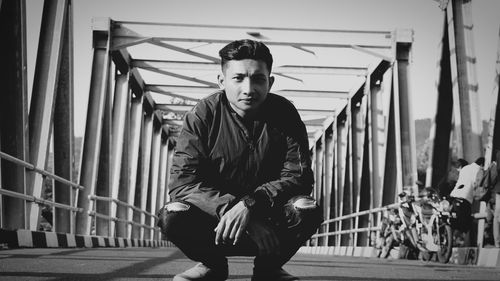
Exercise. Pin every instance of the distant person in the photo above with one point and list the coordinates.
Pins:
(462, 196)
(241, 174)
(446, 185)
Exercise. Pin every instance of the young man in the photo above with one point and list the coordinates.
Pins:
(241, 174)
(461, 198)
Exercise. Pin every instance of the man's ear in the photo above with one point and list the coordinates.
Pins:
(220, 80)
(271, 81)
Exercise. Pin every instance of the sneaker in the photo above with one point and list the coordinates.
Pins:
(201, 272)
(273, 275)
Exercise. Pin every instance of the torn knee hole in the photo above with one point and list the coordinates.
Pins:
(175, 207)
(304, 203)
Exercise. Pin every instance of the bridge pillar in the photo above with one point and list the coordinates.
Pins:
(13, 110)
(493, 143)
(457, 83)
(64, 162)
(341, 168)
(136, 121)
(43, 97)
(94, 124)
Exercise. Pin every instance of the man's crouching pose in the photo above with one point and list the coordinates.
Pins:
(241, 174)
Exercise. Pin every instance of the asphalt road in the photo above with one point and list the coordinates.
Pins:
(163, 263)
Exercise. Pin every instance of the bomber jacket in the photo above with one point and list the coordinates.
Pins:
(218, 160)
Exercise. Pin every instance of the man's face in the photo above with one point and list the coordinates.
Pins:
(247, 83)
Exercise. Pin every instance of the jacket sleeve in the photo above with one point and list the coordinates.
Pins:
(188, 174)
(296, 176)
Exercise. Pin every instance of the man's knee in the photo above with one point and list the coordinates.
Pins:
(171, 217)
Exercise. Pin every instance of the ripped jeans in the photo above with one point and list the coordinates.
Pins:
(192, 231)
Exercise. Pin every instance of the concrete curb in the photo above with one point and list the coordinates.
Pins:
(489, 257)
(23, 238)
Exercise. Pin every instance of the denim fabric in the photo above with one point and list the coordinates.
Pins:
(192, 231)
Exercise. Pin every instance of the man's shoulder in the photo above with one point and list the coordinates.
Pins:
(277, 103)
(207, 105)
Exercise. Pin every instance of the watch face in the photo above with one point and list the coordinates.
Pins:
(249, 202)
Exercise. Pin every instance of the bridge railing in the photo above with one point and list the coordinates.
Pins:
(73, 208)
(351, 237)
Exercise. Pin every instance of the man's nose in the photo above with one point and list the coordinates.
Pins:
(247, 86)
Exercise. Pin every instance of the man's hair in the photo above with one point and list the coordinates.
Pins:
(480, 161)
(246, 49)
(460, 163)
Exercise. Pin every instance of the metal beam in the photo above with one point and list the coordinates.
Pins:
(285, 69)
(43, 96)
(271, 36)
(64, 164)
(13, 110)
(93, 129)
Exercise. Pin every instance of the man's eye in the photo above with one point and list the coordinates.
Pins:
(238, 78)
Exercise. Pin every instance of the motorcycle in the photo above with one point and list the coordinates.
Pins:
(390, 232)
(433, 225)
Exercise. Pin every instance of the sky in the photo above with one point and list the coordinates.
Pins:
(423, 16)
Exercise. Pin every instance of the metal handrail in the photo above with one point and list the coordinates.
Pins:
(37, 200)
(103, 198)
(32, 167)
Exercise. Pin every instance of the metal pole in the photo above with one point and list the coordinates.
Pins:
(63, 130)
(13, 110)
(117, 142)
(155, 166)
(136, 121)
(43, 96)
(93, 130)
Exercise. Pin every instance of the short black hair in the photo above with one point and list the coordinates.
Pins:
(460, 163)
(480, 161)
(246, 49)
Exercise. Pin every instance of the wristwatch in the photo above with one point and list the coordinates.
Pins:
(249, 201)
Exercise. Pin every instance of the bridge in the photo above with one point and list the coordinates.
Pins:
(358, 115)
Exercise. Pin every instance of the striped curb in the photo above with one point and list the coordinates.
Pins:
(23, 238)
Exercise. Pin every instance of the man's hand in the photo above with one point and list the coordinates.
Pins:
(232, 225)
(265, 238)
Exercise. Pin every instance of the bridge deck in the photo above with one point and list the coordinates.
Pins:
(163, 263)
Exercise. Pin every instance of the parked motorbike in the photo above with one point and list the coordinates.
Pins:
(433, 226)
(390, 232)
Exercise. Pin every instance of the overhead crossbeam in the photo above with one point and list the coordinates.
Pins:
(285, 69)
(330, 38)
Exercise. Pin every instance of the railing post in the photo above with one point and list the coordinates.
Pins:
(154, 180)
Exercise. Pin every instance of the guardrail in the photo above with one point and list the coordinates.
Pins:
(351, 235)
(72, 207)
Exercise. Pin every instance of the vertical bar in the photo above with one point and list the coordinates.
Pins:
(142, 193)
(124, 182)
(103, 187)
(376, 141)
(493, 143)
(319, 181)
(405, 116)
(392, 173)
(64, 130)
(118, 136)
(43, 96)
(13, 110)
(440, 153)
(155, 166)
(136, 121)
(93, 129)
(341, 167)
(471, 125)
(329, 189)
(160, 198)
